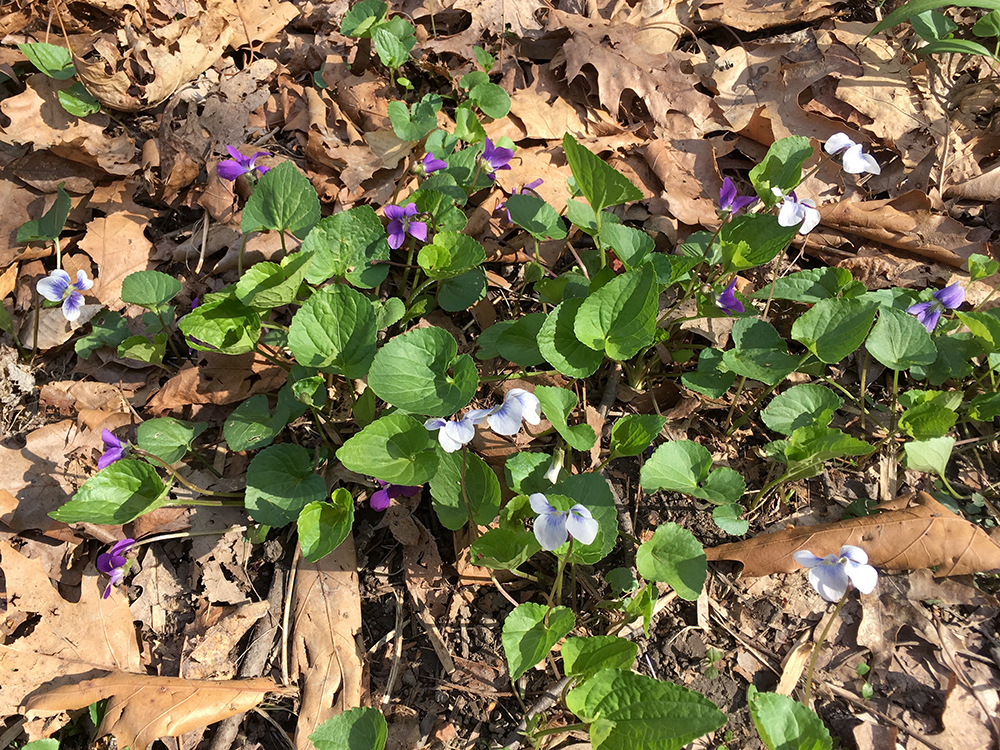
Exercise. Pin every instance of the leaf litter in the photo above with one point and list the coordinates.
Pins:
(628, 82)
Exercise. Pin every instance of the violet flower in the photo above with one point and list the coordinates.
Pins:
(726, 300)
(381, 499)
(517, 405)
(230, 169)
(797, 212)
(454, 433)
(831, 575)
(494, 158)
(730, 202)
(553, 473)
(855, 162)
(400, 225)
(432, 164)
(929, 313)
(114, 449)
(114, 563)
(502, 205)
(553, 527)
(56, 287)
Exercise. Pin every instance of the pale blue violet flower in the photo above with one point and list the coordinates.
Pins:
(401, 224)
(494, 158)
(929, 313)
(794, 212)
(114, 563)
(729, 201)
(230, 169)
(553, 527)
(502, 206)
(518, 404)
(56, 287)
(454, 433)
(114, 449)
(831, 575)
(382, 498)
(855, 161)
(726, 300)
(432, 164)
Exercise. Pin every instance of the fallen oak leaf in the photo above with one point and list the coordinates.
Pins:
(142, 708)
(912, 531)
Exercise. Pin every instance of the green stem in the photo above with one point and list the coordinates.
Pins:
(736, 400)
(170, 339)
(807, 693)
(768, 391)
(597, 239)
(556, 594)
(558, 730)
(473, 526)
(239, 257)
(173, 472)
(515, 375)
(185, 535)
(55, 241)
(895, 394)
(272, 359)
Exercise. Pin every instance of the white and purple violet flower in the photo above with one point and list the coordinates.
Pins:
(56, 287)
(794, 212)
(505, 419)
(831, 575)
(553, 527)
(855, 160)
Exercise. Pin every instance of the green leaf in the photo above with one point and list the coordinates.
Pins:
(834, 328)
(769, 239)
(632, 246)
(280, 483)
(915, 7)
(558, 345)
(467, 125)
(50, 226)
(633, 433)
(283, 201)
(462, 292)
(927, 420)
(629, 711)
(267, 285)
(357, 728)
(492, 100)
(526, 638)
(985, 326)
(620, 317)
(585, 657)
(55, 62)
(361, 19)
(107, 329)
(396, 449)
(335, 331)
(955, 46)
(167, 438)
(930, 456)
(149, 289)
(485, 59)
(808, 286)
(785, 724)
(222, 324)
(324, 526)
(350, 244)
(727, 518)
(504, 549)
(674, 556)
(413, 125)
(482, 490)
(801, 406)
(251, 425)
(711, 379)
(899, 341)
(474, 78)
(557, 403)
(781, 168)
(118, 494)
(78, 101)
(519, 342)
(535, 216)
(142, 349)
(758, 352)
(985, 407)
(810, 447)
(600, 184)
(987, 26)
(49, 744)
(421, 372)
(391, 51)
(932, 26)
(979, 265)
(388, 312)
(525, 473)
(450, 254)
(954, 359)
(686, 466)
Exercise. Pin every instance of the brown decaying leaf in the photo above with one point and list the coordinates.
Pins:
(221, 379)
(907, 222)
(754, 15)
(912, 531)
(325, 653)
(142, 708)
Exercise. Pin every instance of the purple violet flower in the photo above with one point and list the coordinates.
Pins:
(114, 563)
(730, 202)
(230, 169)
(727, 301)
(432, 164)
(400, 225)
(553, 527)
(382, 498)
(114, 449)
(494, 158)
(929, 313)
(56, 287)
(502, 206)
(831, 575)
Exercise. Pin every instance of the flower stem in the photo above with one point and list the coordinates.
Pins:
(173, 472)
(807, 693)
(556, 594)
(473, 526)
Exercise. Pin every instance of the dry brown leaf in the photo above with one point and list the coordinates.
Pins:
(206, 655)
(754, 15)
(142, 708)
(543, 108)
(517, 17)
(691, 180)
(908, 223)
(222, 379)
(912, 531)
(325, 653)
(67, 639)
(35, 475)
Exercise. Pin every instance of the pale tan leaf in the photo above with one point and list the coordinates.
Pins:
(118, 245)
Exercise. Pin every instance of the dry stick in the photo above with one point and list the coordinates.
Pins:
(545, 701)
(397, 649)
(256, 656)
(287, 614)
(204, 243)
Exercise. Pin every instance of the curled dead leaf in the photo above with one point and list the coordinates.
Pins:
(912, 531)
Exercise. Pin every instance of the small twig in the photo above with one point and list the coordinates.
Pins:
(397, 649)
(287, 615)
(204, 243)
